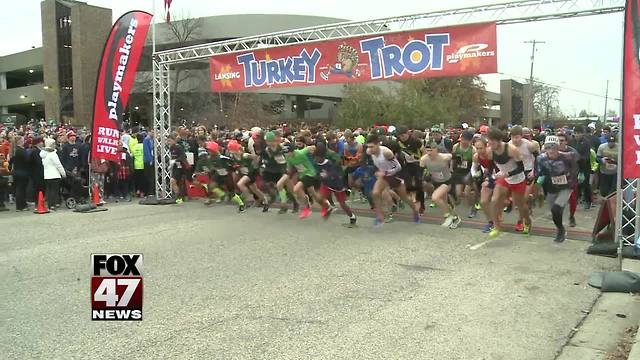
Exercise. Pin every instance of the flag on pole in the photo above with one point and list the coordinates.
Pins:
(167, 5)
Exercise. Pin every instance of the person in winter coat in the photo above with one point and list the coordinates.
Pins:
(53, 172)
(19, 164)
(36, 169)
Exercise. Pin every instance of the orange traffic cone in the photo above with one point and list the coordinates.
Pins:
(95, 195)
(41, 208)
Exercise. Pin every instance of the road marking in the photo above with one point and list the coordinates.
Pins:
(479, 245)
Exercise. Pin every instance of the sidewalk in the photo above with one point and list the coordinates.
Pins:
(604, 326)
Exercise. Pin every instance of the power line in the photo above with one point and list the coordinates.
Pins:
(563, 87)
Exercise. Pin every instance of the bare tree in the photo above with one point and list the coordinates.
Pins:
(545, 100)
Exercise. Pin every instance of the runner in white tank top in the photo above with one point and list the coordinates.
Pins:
(528, 150)
(388, 168)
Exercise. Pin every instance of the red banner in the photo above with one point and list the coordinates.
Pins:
(117, 71)
(451, 51)
(631, 96)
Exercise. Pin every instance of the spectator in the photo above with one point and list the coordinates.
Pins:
(123, 174)
(70, 158)
(19, 164)
(137, 152)
(605, 135)
(149, 163)
(608, 159)
(53, 172)
(36, 168)
(4, 180)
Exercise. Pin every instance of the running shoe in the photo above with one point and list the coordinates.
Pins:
(401, 204)
(487, 227)
(560, 236)
(519, 227)
(265, 206)
(416, 218)
(283, 210)
(241, 208)
(455, 222)
(448, 220)
(352, 220)
(494, 233)
(323, 212)
(526, 229)
(572, 221)
(422, 209)
(305, 213)
(472, 212)
(477, 206)
(377, 223)
(330, 211)
(179, 201)
(389, 218)
(432, 205)
(508, 208)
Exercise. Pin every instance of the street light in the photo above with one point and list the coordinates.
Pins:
(31, 71)
(33, 104)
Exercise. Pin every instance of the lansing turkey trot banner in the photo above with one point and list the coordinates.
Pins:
(631, 95)
(450, 51)
(117, 71)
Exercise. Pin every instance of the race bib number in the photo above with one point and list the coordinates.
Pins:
(610, 166)
(559, 180)
(463, 164)
(222, 172)
(280, 159)
(124, 156)
(300, 168)
(244, 170)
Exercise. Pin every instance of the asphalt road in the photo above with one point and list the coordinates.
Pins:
(222, 285)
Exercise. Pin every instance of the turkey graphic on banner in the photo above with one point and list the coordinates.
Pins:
(451, 51)
(631, 94)
(116, 73)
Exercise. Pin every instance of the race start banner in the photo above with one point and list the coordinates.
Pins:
(451, 51)
(631, 93)
(117, 71)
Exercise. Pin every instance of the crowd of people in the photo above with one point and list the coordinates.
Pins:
(494, 170)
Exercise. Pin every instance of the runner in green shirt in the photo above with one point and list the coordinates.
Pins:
(308, 179)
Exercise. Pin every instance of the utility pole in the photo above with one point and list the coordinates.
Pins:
(606, 97)
(530, 100)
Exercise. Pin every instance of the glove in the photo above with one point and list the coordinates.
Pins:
(540, 180)
(580, 178)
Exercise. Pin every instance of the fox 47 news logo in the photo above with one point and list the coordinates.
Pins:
(116, 287)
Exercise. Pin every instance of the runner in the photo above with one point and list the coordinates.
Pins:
(557, 170)
(386, 178)
(529, 150)
(178, 164)
(411, 150)
(510, 180)
(332, 183)
(438, 166)
(273, 164)
(573, 199)
(308, 179)
(461, 163)
(218, 168)
(246, 166)
(351, 154)
(445, 145)
(482, 172)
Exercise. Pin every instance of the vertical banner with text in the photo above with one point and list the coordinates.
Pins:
(631, 93)
(116, 73)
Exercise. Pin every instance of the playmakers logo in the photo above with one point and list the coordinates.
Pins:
(470, 51)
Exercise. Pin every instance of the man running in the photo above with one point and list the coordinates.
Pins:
(387, 178)
(482, 172)
(528, 151)
(331, 181)
(461, 162)
(411, 150)
(438, 166)
(308, 179)
(273, 164)
(510, 180)
(246, 167)
(558, 172)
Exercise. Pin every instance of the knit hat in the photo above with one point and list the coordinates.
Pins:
(270, 136)
(49, 143)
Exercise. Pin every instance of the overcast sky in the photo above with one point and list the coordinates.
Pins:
(580, 53)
